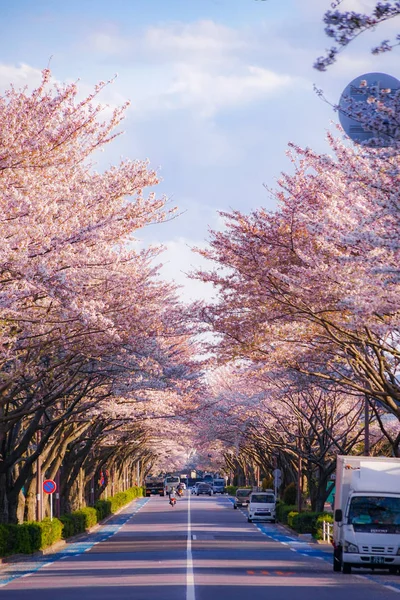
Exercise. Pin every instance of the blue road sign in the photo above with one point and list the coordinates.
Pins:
(49, 486)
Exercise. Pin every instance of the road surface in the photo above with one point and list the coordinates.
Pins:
(201, 549)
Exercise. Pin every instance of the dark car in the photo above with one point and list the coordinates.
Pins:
(204, 488)
(242, 497)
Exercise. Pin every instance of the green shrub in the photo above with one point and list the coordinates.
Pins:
(79, 521)
(304, 522)
(50, 531)
(231, 489)
(28, 537)
(282, 511)
(289, 494)
(290, 518)
(103, 509)
(318, 527)
(3, 540)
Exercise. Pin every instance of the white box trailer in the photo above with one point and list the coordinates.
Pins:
(366, 532)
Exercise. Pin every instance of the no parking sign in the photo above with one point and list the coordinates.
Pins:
(49, 487)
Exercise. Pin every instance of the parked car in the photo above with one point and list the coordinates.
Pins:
(241, 497)
(204, 488)
(261, 506)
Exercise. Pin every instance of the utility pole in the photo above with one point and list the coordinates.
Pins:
(58, 501)
(39, 492)
(366, 425)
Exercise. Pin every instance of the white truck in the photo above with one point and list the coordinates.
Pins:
(171, 482)
(366, 531)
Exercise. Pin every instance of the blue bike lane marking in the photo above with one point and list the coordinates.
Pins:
(16, 570)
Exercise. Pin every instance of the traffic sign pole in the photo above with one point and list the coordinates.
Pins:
(49, 487)
(277, 480)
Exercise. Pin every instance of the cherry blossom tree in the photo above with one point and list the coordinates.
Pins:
(86, 323)
(345, 26)
(311, 287)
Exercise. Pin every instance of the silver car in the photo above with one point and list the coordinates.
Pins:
(241, 497)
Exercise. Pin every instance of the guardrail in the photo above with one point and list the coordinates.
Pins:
(327, 531)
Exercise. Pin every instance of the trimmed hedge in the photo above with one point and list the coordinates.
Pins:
(78, 521)
(318, 529)
(114, 503)
(30, 537)
(283, 510)
(304, 522)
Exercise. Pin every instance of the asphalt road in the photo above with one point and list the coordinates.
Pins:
(201, 549)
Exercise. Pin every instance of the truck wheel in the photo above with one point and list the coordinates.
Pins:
(248, 520)
(393, 570)
(337, 560)
(346, 568)
(235, 507)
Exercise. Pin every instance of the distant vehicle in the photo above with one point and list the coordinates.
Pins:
(261, 507)
(154, 486)
(204, 488)
(218, 486)
(366, 531)
(194, 488)
(208, 478)
(241, 497)
(171, 481)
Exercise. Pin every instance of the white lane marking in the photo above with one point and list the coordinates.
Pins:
(190, 595)
(389, 587)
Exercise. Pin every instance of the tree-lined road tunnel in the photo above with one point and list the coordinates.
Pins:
(199, 550)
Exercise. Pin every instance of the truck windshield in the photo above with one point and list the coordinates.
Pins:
(172, 480)
(377, 510)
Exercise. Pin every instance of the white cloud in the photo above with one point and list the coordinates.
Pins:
(206, 39)
(209, 92)
(201, 66)
(202, 39)
(20, 76)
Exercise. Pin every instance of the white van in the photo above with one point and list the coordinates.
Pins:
(262, 506)
(218, 486)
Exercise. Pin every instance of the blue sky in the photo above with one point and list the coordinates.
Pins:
(218, 88)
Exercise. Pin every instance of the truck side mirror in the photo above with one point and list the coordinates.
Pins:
(338, 515)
